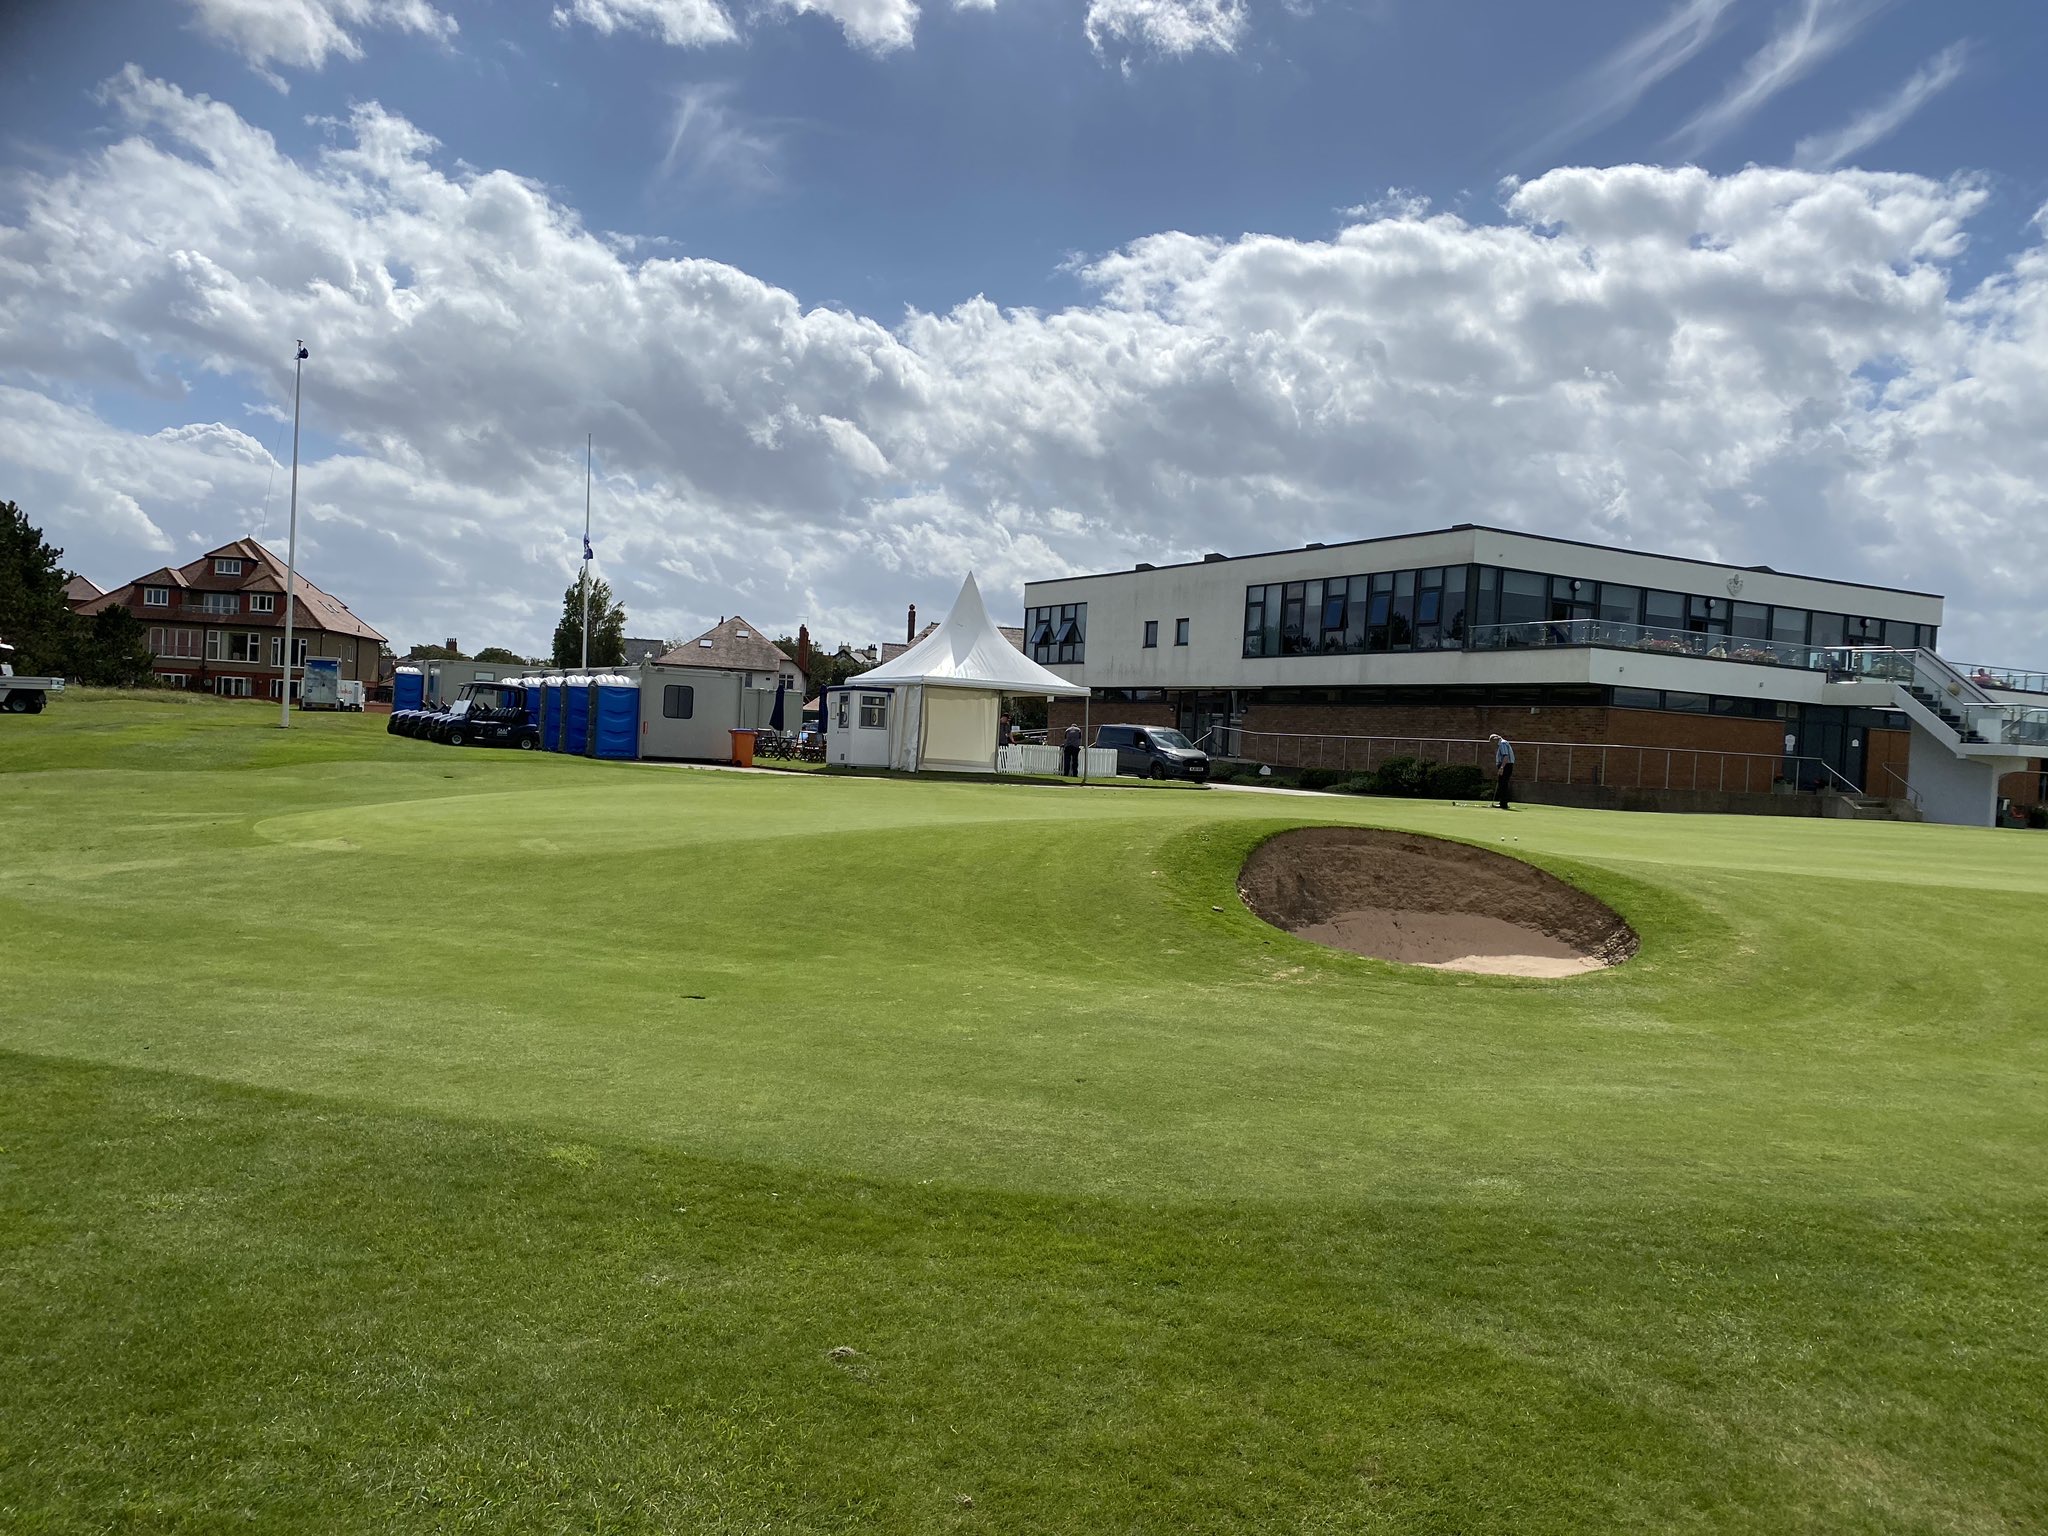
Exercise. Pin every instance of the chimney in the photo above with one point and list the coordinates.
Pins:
(910, 629)
(450, 644)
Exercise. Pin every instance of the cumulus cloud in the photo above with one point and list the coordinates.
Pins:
(1807, 35)
(1825, 151)
(880, 26)
(1166, 26)
(1771, 366)
(679, 23)
(306, 33)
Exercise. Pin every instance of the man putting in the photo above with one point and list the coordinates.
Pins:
(1503, 767)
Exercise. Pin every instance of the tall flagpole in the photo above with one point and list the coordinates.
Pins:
(291, 549)
(587, 438)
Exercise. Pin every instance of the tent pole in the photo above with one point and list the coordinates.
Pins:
(1087, 704)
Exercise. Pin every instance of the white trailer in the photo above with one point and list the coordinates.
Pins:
(23, 695)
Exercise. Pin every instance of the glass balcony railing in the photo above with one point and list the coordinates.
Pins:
(2011, 679)
(1661, 642)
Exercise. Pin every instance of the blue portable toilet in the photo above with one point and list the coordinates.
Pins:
(529, 688)
(576, 714)
(618, 717)
(551, 714)
(408, 689)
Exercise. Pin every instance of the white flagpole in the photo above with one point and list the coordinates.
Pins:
(291, 549)
(586, 551)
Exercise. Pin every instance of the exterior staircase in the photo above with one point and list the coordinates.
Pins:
(1956, 723)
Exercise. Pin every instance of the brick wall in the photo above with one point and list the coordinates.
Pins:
(2024, 789)
(1062, 713)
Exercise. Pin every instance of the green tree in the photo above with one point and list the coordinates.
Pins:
(433, 653)
(111, 650)
(607, 627)
(34, 617)
(499, 654)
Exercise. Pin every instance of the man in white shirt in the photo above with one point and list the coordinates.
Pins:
(1503, 767)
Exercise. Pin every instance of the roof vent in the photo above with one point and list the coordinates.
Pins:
(1317, 545)
(1212, 555)
(705, 644)
(1146, 565)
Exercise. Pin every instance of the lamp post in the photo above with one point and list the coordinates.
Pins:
(291, 549)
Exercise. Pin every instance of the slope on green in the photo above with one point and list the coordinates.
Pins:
(400, 1138)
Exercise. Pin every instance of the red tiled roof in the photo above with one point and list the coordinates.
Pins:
(261, 572)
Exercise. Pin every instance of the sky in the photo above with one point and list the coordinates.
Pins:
(855, 296)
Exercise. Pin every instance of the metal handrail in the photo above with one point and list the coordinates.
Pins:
(1913, 796)
(2011, 679)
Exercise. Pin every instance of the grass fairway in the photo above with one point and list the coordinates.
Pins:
(395, 1139)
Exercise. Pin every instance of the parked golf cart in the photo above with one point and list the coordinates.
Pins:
(23, 695)
(488, 715)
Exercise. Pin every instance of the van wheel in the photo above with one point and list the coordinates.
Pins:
(1155, 771)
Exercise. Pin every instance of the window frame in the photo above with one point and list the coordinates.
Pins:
(673, 694)
(1180, 632)
(226, 565)
(156, 597)
(1151, 635)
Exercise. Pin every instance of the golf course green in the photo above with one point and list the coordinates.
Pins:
(397, 1138)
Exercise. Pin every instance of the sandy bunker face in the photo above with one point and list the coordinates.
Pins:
(1425, 901)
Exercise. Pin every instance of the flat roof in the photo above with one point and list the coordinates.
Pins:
(1545, 538)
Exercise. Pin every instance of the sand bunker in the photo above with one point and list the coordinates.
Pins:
(1425, 901)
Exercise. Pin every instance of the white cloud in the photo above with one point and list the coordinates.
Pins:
(1614, 87)
(1775, 366)
(711, 140)
(1167, 26)
(1806, 37)
(306, 33)
(1825, 151)
(679, 23)
(880, 26)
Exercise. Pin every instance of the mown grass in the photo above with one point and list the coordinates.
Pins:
(396, 1138)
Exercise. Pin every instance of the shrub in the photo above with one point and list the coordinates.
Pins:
(1405, 776)
(1357, 784)
(2037, 817)
(1455, 781)
(1321, 778)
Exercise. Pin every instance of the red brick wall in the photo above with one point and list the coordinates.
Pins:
(2024, 789)
(1065, 712)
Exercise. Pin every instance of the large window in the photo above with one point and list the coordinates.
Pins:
(184, 644)
(1788, 626)
(1750, 621)
(221, 602)
(1521, 597)
(1057, 634)
(233, 645)
(1664, 610)
(299, 654)
(679, 702)
(1620, 604)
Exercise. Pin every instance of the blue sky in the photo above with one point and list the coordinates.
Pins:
(999, 151)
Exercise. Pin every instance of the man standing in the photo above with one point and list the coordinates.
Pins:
(1070, 753)
(1503, 767)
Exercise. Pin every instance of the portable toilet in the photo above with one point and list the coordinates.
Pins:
(618, 717)
(529, 692)
(408, 689)
(551, 714)
(575, 714)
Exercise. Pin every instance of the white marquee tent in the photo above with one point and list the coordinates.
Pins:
(946, 691)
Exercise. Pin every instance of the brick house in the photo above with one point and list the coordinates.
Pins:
(217, 623)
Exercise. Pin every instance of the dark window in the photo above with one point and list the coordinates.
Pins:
(1429, 609)
(1901, 635)
(1058, 634)
(1620, 604)
(1380, 608)
(1750, 621)
(1401, 625)
(1151, 634)
(1827, 629)
(1488, 604)
(1293, 634)
(1664, 610)
(1686, 703)
(1570, 598)
(679, 701)
(1333, 605)
(1707, 615)
(1452, 628)
(1865, 631)
(1521, 597)
(1638, 698)
(1788, 626)
(1180, 631)
(874, 711)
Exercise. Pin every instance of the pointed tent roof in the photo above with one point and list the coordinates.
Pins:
(968, 650)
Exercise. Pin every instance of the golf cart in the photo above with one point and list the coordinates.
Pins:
(488, 715)
(23, 695)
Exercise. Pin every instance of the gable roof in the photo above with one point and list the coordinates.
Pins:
(733, 646)
(80, 590)
(261, 572)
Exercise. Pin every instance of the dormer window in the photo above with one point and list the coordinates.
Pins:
(156, 597)
(225, 567)
(262, 602)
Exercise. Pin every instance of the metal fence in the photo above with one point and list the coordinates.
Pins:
(1592, 764)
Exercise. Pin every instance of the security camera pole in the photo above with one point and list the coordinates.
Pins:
(291, 549)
